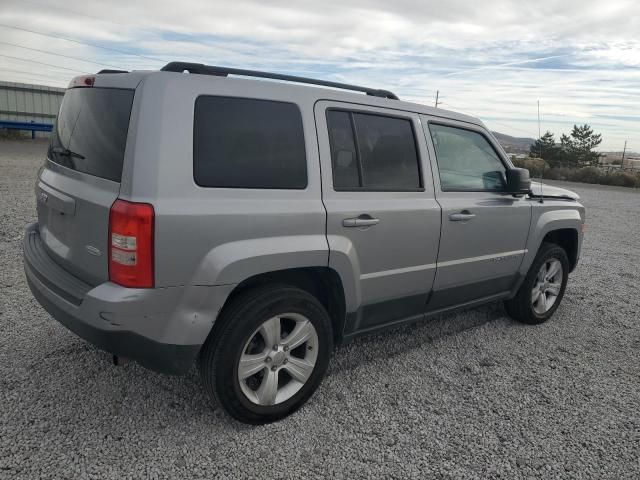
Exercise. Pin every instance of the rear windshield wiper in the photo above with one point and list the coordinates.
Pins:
(67, 153)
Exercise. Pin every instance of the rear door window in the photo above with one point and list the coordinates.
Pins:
(346, 171)
(248, 143)
(373, 152)
(91, 131)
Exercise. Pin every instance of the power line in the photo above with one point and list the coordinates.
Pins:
(60, 37)
(75, 12)
(59, 55)
(511, 127)
(454, 107)
(35, 74)
(41, 63)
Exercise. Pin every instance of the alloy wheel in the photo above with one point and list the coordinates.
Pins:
(547, 286)
(278, 359)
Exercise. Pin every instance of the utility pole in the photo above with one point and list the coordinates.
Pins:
(539, 133)
(624, 150)
(540, 155)
(437, 95)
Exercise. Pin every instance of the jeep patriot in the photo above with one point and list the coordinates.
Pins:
(210, 215)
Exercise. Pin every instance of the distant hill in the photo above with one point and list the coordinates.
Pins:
(514, 144)
(627, 154)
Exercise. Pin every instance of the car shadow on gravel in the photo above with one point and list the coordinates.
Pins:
(163, 401)
(399, 340)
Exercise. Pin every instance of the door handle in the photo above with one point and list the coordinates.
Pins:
(361, 221)
(463, 216)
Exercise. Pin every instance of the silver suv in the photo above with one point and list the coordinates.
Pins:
(191, 214)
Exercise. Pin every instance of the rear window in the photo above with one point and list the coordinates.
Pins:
(372, 152)
(91, 131)
(248, 143)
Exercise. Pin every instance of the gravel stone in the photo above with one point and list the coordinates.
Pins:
(469, 395)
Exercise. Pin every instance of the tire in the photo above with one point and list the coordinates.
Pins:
(244, 331)
(528, 308)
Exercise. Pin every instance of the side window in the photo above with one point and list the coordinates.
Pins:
(466, 160)
(373, 152)
(248, 143)
(343, 150)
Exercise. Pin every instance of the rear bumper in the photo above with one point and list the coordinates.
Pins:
(160, 328)
(161, 357)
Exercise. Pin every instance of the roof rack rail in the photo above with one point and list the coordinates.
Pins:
(199, 68)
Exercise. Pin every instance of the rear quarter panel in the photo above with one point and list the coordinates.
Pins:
(217, 236)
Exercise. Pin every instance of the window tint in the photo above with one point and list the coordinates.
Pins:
(247, 143)
(466, 160)
(91, 131)
(343, 150)
(380, 155)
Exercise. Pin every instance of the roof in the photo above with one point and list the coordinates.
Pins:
(299, 86)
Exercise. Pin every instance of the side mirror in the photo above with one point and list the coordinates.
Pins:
(518, 180)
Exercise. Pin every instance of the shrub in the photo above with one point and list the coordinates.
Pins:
(553, 174)
(538, 166)
(588, 175)
(559, 173)
(534, 165)
(624, 179)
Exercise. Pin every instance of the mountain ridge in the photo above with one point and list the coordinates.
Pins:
(514, 144)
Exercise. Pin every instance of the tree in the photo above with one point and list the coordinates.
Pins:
(567, 154)
(584, 142)
(546, 148)
(578, 149)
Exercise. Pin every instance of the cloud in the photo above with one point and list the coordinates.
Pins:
(495, 59)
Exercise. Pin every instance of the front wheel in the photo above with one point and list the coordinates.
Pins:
(268, 354)
(543, 288)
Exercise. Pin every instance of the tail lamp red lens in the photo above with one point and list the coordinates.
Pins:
(131, 227)
(82, 81)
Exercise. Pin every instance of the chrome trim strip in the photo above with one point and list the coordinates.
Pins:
(397, 271)
(448, 263)
(460, 261)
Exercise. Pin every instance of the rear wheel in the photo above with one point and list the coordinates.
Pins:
(543, 288)
(268, 354)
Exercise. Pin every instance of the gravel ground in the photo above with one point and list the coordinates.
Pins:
(468, 395)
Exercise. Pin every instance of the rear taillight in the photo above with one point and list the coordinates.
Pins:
(83, 81)
(131, 244)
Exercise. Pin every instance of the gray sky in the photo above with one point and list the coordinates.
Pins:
(492, 59)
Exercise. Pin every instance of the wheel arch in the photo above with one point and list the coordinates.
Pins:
(324, 283)
(560, 226)
(567, 238)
